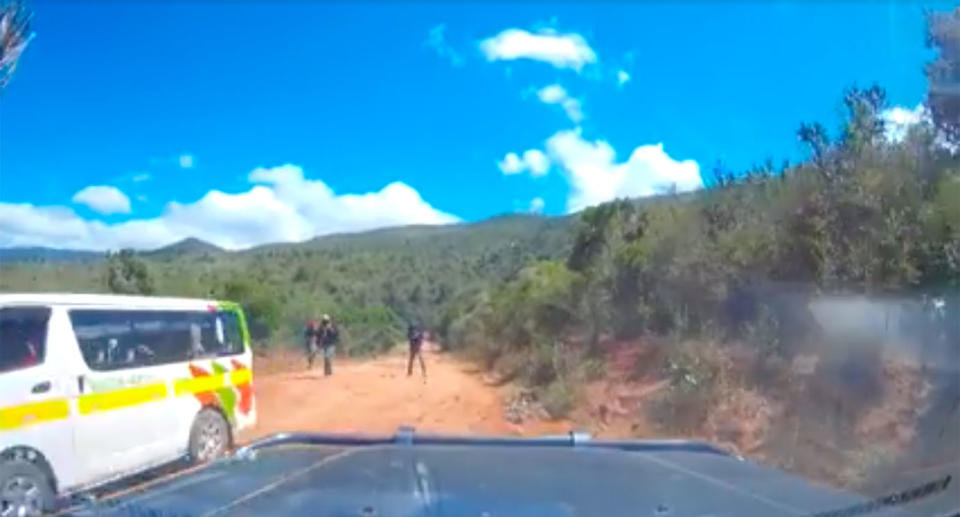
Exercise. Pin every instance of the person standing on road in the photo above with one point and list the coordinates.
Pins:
(328, 335)
(415, 339)
(310, 342)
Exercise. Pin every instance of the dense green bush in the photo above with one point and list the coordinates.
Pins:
(125, 273)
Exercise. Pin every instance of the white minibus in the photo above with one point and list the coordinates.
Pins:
(94, 388)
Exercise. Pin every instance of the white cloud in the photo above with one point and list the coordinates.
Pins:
(553, 94)
(185, 161)
(898, 120)
(595, 176)
(533, 160)
(556, 94)
(536, 205)
(536, 161)
(103, 199)
(438, 42)
(559, 50)
(572, 107)
(282, 205)
(622, 77)
(511, 164)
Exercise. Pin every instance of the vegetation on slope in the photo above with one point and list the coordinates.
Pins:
(371, 283)
(724, 285)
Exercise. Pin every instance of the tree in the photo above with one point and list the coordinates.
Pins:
(815, 136)
(864, 126)
(127, 274)
(14, 36)
(261, 306)
(943, 73)
(301, 275)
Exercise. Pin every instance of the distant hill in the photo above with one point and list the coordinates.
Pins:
(371, 281)
(475, 235)
(464, 237)
(40, 254)
(188, 246)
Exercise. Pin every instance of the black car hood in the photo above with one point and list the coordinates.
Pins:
(445, 480)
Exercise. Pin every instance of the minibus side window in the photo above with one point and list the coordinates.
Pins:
(166, 333)
(113, 340)
(23, 337)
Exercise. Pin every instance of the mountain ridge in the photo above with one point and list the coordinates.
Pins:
(377, 237)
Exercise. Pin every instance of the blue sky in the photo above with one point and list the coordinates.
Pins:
(241, 123)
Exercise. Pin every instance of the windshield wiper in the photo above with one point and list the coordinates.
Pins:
(408, 436)
(888, 501)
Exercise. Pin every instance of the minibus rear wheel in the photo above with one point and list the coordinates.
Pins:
(209, 437)
(25, 489)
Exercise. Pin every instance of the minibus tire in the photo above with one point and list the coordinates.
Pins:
(209, 422)
(33, 486)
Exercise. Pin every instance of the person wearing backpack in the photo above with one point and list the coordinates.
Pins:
(328, 336)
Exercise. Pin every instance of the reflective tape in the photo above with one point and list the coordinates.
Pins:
(14, 417)
(121, 398)
(196, 385)
(205, 383)
(241, 377)
(34, 413)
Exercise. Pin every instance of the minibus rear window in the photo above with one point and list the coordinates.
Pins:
(231, 342)
(23, 337)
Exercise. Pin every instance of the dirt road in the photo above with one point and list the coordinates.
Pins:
(375, 396)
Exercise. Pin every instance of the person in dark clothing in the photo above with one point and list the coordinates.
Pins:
(310, 342)
(415, 339)
(328, 336)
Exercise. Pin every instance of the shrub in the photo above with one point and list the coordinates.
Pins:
(262, 307)
(764, 332)
(368, 340)
(557, 398)
(126, 273)
(694, 370)
(593, 368)
(691, 366)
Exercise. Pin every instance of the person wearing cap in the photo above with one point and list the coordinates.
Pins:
(328, 335)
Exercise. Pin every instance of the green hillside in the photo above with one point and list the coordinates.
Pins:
(371, 282)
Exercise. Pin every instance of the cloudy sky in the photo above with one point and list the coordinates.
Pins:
(242, 123)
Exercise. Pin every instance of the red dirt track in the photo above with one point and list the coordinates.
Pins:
(375, 396)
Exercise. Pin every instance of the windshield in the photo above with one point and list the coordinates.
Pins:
(734, 224)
